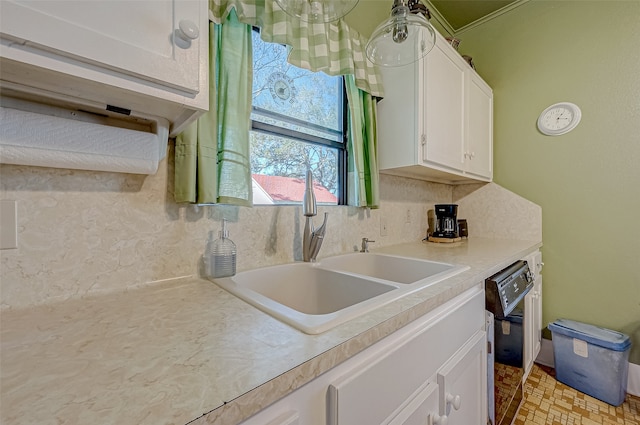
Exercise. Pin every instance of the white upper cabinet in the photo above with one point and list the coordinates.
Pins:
(443, 99)
(478, 152)
(436, 120)
(147, 56)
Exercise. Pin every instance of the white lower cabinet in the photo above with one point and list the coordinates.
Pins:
(421, 409)
(288, 418)
(533, 314)
(431, 372)
(462, 383)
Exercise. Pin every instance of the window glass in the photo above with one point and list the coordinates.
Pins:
(297, 124)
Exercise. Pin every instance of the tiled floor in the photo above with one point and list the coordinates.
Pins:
(549, 402)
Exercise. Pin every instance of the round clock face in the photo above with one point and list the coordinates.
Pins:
(559, 118)
(281, 87)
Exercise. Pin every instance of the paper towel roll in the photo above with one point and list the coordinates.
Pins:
(28, 138)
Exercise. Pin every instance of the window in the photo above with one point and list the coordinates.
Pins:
(298, 122)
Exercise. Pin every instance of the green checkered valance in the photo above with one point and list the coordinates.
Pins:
(333, 47)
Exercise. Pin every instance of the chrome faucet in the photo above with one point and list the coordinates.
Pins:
(312, 238)
(365, 244)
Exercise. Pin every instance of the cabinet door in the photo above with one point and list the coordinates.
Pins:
(533, 313)
(479, 131)
(533, 325)
(537, 317)
(463, 384)
(376, 389)
(398, 117)
(443, 111)
(266, 418)
(421, 409)
(137, 38)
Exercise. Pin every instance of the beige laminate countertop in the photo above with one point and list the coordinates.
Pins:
(186, 351)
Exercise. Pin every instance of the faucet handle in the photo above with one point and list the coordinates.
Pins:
(365, 244)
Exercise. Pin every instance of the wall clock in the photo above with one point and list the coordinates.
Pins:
(559, 118)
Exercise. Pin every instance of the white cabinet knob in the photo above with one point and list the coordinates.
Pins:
(454, 400)
(440, 420)
(188, 30)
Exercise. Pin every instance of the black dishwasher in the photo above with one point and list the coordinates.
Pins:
(505, 292)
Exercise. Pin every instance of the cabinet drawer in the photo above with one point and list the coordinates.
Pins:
(403, 362)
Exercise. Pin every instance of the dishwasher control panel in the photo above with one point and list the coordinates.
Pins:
(505, 289)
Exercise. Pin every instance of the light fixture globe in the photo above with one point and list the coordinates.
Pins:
(317, 10)
(402, 39)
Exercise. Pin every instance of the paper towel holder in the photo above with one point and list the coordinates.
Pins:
(154, 131)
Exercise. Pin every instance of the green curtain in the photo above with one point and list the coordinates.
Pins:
(332, 48)
(196, 153)
(235, 82)
(335, 49)
(212, 154)
(363, 176)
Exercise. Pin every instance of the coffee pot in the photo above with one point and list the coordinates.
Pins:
(446, 221)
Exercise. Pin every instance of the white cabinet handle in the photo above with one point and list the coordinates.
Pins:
(188, 30)
(440, 420)
(454, 400)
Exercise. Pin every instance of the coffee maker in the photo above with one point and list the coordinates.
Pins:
(446, 221)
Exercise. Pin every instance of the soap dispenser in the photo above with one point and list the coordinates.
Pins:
(220, 254)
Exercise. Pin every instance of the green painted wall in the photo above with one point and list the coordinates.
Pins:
(587, 181)
(368, 14)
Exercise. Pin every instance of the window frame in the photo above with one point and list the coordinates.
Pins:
(340, 146)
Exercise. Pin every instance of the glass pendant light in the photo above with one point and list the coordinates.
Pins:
(317, 10)
(403, 38)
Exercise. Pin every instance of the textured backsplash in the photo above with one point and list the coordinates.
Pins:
(494, 212)
(82, 232)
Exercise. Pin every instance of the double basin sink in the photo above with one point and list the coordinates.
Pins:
(315, 297)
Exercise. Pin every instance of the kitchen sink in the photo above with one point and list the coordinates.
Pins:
(315, 297)
(402, 270)
(307, 297)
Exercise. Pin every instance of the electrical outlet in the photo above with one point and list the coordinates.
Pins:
(408, 219)
(383, 227)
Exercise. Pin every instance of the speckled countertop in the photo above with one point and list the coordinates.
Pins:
(186, 351)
